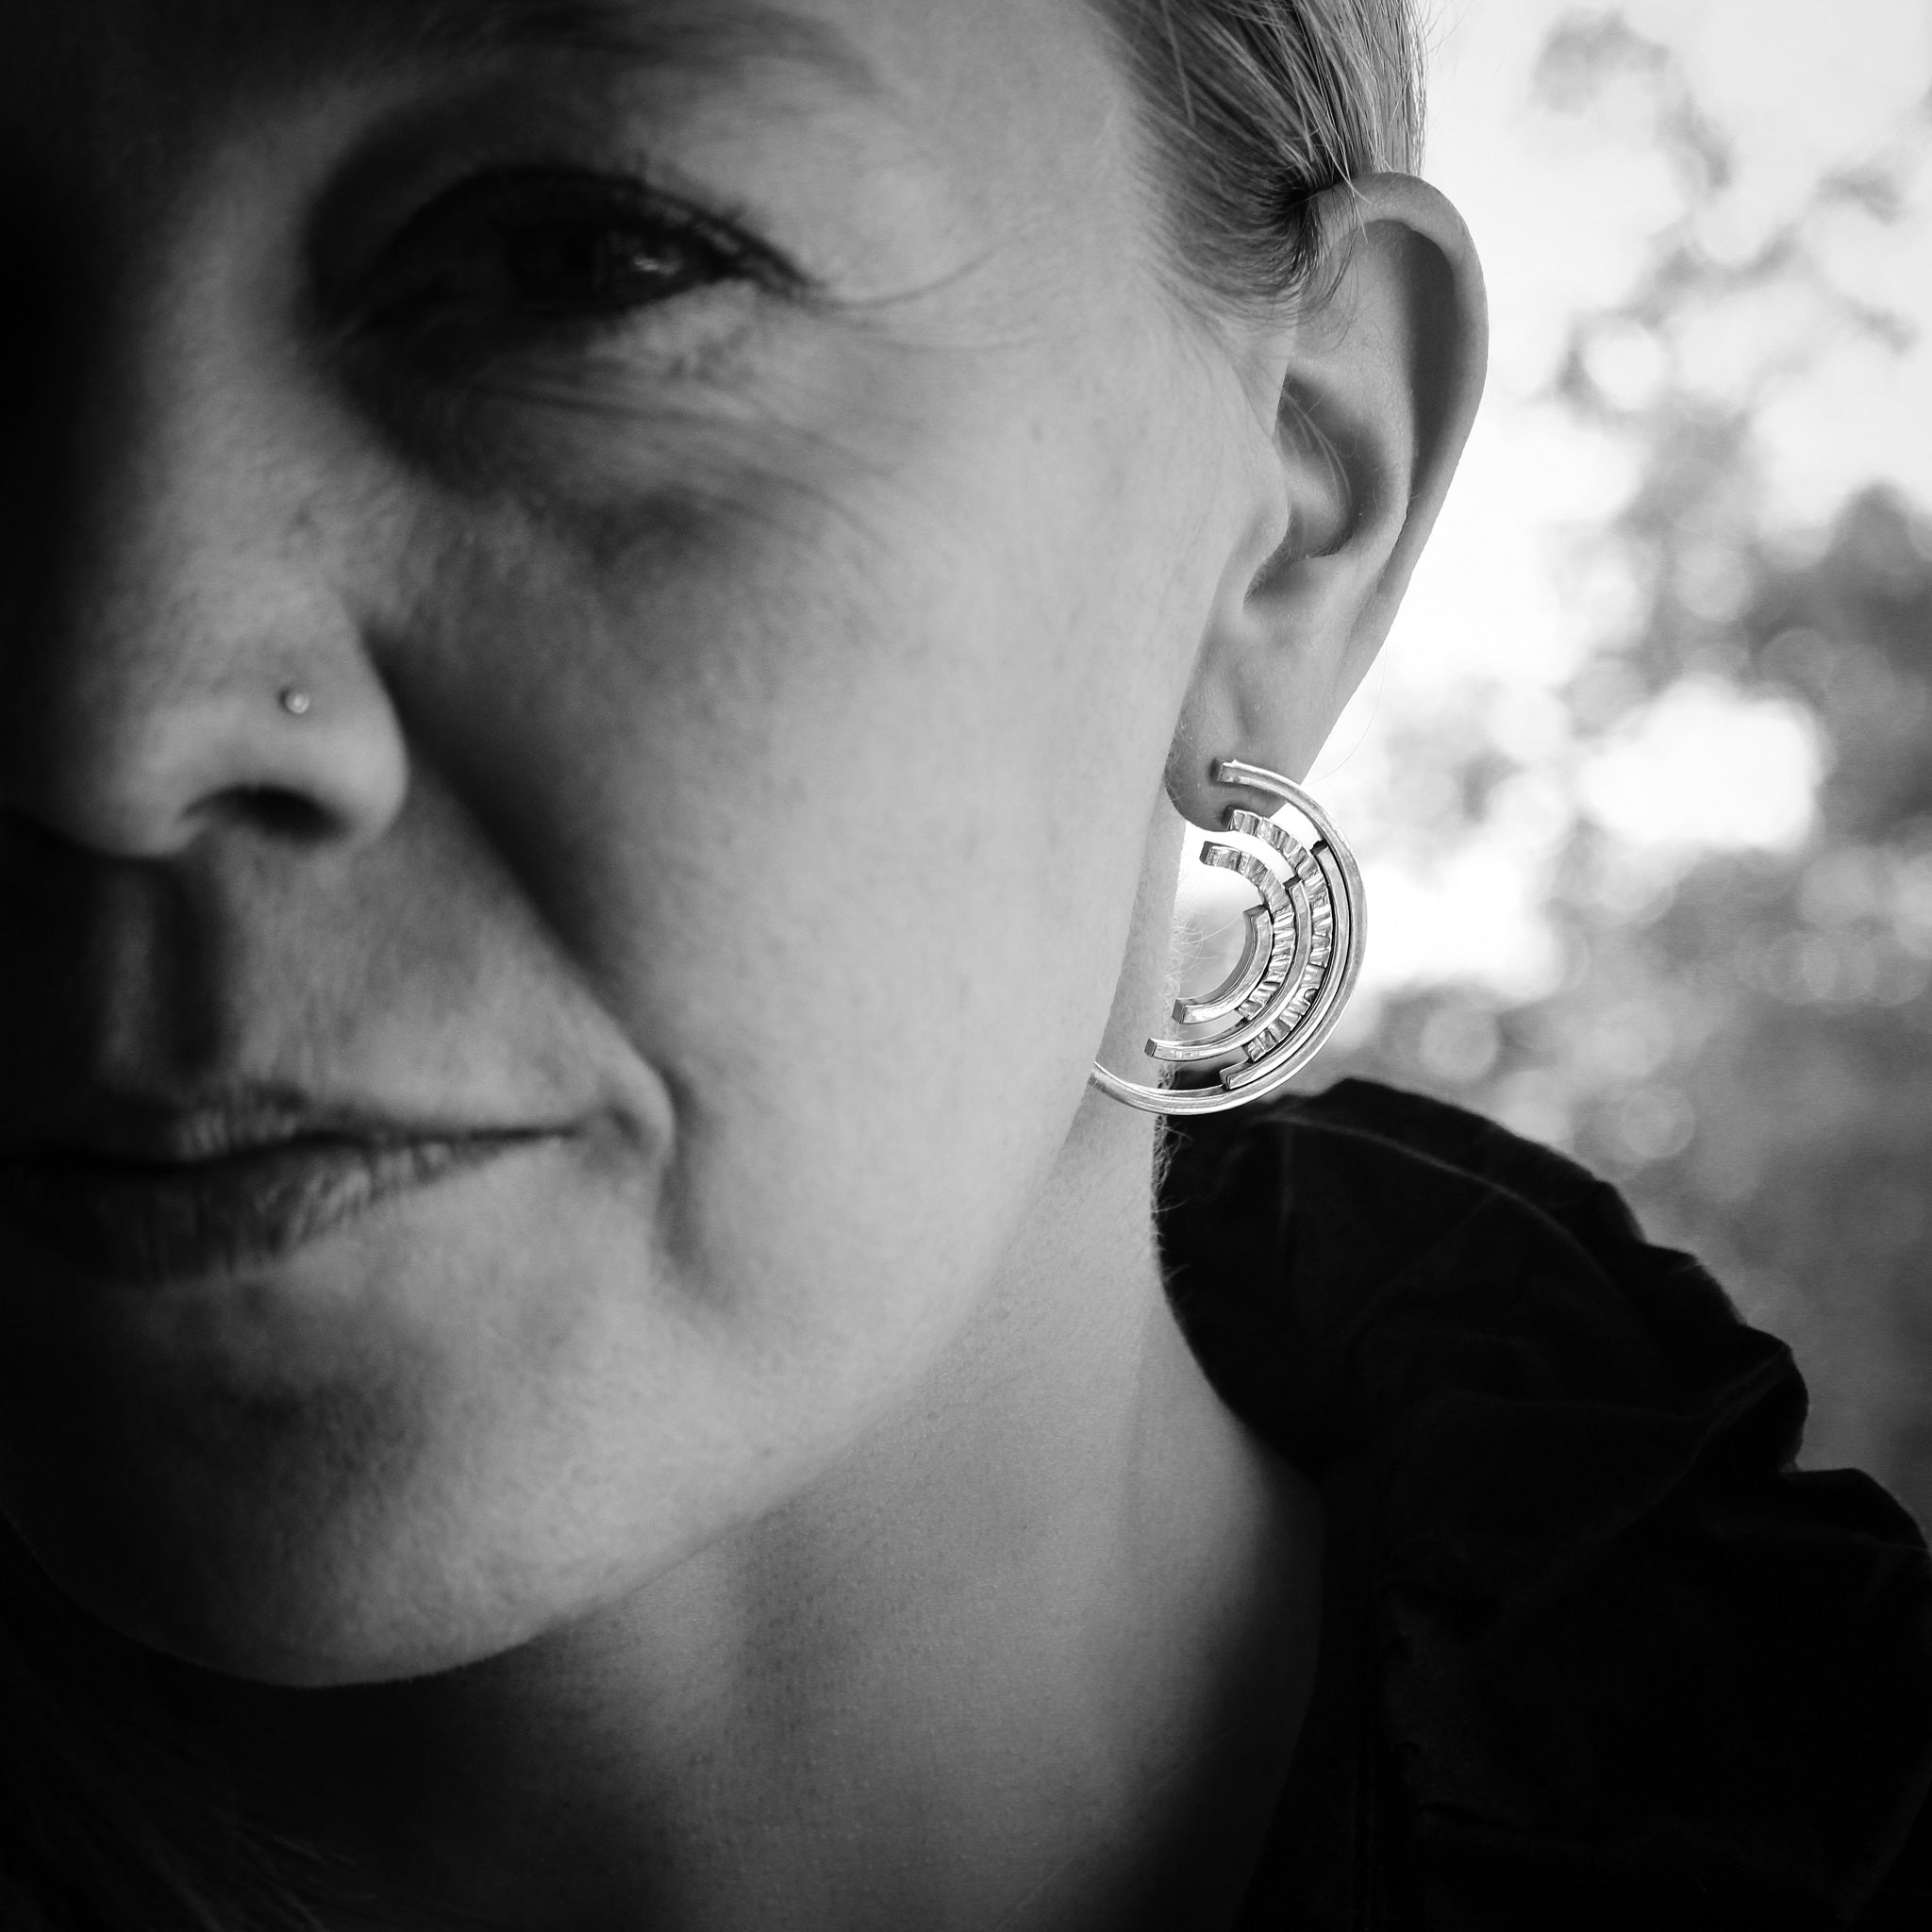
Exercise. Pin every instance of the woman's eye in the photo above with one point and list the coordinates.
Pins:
(593, 265)
(519, 254)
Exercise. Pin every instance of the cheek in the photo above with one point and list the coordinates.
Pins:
(841, 806)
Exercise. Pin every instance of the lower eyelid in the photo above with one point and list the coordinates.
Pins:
(704, 338)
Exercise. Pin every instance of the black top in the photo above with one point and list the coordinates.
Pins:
(1593, 1653)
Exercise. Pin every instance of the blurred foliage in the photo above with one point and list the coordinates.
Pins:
(1742, 1038)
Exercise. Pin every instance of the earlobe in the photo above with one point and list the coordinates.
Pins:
(1372, 389)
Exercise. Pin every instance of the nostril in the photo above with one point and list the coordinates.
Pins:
(280, 812)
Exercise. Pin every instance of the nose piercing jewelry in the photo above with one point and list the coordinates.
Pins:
(1299, 962)
(295, 700)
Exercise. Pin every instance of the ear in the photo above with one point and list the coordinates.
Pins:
(1368, 397)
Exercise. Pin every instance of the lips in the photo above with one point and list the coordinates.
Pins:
(217, 1193)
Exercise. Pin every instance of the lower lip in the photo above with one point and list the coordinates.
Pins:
(129, 1222)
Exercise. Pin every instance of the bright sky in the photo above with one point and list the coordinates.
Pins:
(1562, 207)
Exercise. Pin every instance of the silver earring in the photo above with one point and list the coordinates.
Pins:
(295, 700)
(1299, 964)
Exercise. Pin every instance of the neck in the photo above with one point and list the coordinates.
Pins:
(1035, 1648)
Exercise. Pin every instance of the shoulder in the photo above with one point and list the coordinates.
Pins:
(1595, 1651)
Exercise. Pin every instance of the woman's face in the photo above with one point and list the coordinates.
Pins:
(741, 510)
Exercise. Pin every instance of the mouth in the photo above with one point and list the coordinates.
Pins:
(216, 1193)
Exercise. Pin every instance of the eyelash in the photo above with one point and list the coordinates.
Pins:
(529, 254)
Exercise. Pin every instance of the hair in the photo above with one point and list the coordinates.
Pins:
(114, 1813)
(1256, 108)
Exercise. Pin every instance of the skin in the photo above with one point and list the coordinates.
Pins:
(747, 749)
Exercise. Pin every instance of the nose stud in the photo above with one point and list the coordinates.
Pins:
(295, 701)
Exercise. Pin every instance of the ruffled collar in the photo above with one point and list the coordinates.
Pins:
(1593, 1653)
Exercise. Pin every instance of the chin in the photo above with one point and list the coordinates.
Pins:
(292, 1602)
(310, 1472)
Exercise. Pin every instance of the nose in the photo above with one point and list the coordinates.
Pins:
(184, 649)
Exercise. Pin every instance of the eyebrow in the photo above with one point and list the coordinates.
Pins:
(715, 38)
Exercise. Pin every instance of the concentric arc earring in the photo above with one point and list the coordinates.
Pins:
(1299, 962)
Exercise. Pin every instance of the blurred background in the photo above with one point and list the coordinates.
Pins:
(1643, 788)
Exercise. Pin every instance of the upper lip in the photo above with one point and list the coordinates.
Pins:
(148, 1129)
